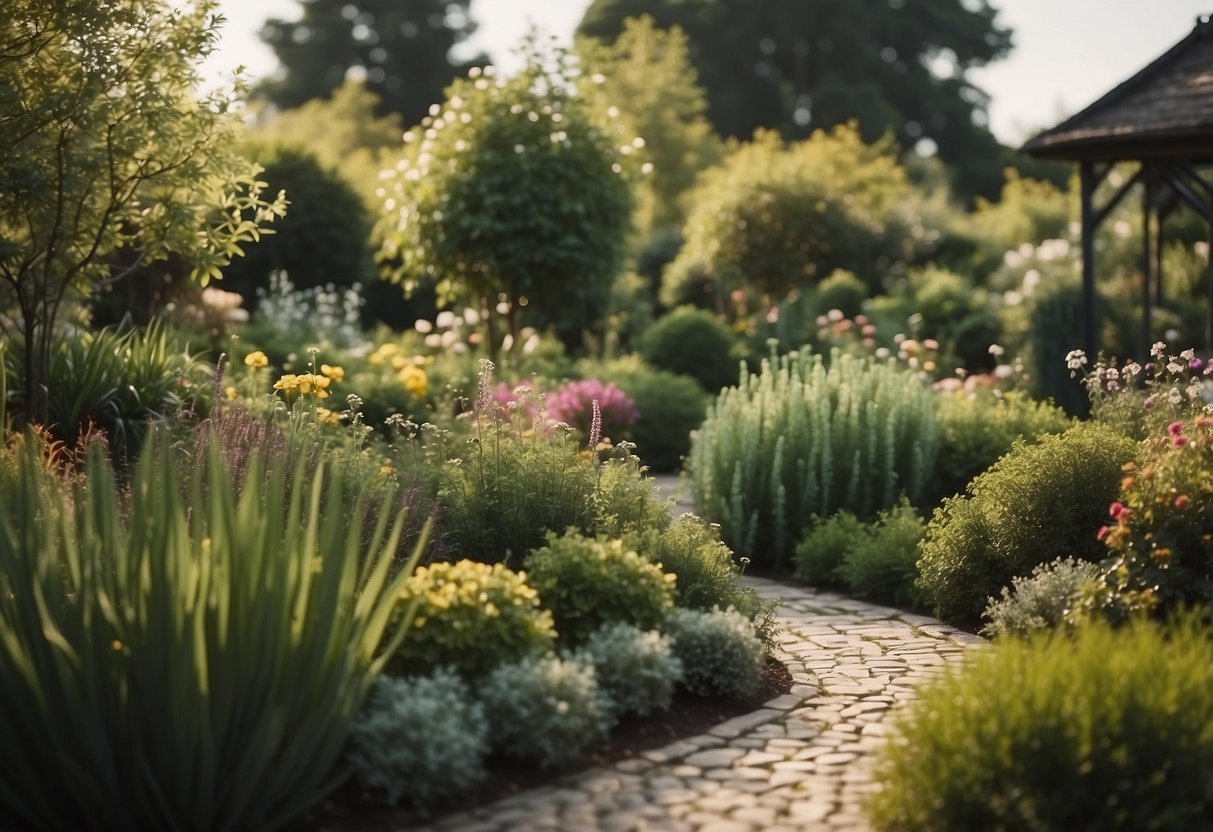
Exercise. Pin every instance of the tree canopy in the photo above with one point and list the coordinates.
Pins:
(404, 49)
(800, 65)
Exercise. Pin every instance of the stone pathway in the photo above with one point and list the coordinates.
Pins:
(800, 762)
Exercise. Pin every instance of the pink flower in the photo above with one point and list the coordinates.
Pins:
(1175, 428)
(574, 403)
(1179, 441)
(1102, 533)
(1118, 510)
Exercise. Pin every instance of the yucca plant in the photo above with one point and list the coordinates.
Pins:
(802, 438)
(173, 661)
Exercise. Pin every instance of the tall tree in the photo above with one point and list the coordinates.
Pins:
(404, 49)
(798, 65)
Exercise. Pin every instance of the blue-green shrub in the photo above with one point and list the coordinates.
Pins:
(799, 438)
(720, 651)
(635, 668)
(1039, 601)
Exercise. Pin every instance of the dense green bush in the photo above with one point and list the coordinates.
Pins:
(419, 741)
(190, 662)
(469, 616)
(693, 342)
(720, 651)
(1037, 503)
(588, 582)
(798, 439)
(545, 710)
(880, 565)
(820, 554)
(978, 427)
(635, 668)
(1100, 729)
(843, 291)
(1052, 333)
(1039, 601)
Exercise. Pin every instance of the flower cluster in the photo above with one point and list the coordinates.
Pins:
(574, 403)
(307, 384)
(409, 370)
(1143, 398)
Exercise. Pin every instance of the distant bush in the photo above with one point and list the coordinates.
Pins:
(670, 407)
(635, 668)
(1037, 503)
(819, 555)
(1039, 601)
(693, 342)
(880, 566)
(843, 291)
(798, 439)
(1097, 729)
(720, 652)
(588, 582)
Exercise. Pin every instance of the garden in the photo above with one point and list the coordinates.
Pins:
(329, 443)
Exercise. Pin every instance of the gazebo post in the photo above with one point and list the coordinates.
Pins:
(1088, 182)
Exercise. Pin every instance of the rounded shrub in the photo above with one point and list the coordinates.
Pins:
(545, 710)
(670, 407)
(705, 570)
(1037, 503)
(419, 741)
(798, 439)
(1039, 601)
(635, 668)
(587, 582)
(693, 342)
(822, 550)
(470, 616)
(843, 291)
(721, 654)
(880, 565)
(1097, 729)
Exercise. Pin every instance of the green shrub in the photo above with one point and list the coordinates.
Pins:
(545, 710)
(182, 662)
(1037, 503)
(1100, 729)
(469, 616)
(693, 342)
(1052, 333)
(822, 551)
(843, 291)
(670, 407)
(1039, 601)
(636, 669)
(419, 741)
(798, 439)
(976, 428)
(588, 582)
(720, 652)
(881, 565)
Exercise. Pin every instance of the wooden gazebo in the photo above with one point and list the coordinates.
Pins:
(1162, 119)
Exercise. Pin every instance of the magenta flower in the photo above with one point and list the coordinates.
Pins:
(573, 403)
(1175, 428)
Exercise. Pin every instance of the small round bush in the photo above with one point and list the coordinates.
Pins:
(670, 407)
(635, 668)
(1039, 601)
(1096, 729)
(823, 549)
(545, 710)
(707, 574)
(587, 582)
(419, 740)
(471, 616)
(720, 652)
(1037, 503)
(880, 566)
(843, 291)
(693, 342)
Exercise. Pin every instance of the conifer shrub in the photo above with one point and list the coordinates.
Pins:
(800, 438)
(1095, 729)
(1037, 503)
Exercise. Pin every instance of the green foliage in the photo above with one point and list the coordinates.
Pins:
(111, 156)
(820, 554)
(470, 617)
(589, 582)
(514, 187)
(693, 342)
(195, 660)
(1039, 601)
(322, 240)
(670, 407)
(636, 669)
(419, 741)
(545, 710)
(798, 439)
(1101, 729)
(1027, 210)
(843, 291)
(976, 428)
(720, 651)
(1053, 321)
(1037, 503)
(880, 565)
(776, 217)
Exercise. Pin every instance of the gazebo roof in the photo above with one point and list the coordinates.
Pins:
(1166, 109)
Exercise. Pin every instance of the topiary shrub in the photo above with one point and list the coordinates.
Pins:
(635, 668)
(880, 565)
(1097, 729)
(469, 616)
(693, 342)
(587, 582)
(545, 710)
(798, 439)
(419, 741)
(720, 651)
(1037, 503)
(1039, 601)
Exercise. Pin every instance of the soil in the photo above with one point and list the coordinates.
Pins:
(351, 809)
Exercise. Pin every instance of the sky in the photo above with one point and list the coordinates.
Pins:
(1067, 52)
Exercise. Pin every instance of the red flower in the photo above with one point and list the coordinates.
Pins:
(1182, 502)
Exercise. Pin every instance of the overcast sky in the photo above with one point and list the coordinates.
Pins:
(1067, 52)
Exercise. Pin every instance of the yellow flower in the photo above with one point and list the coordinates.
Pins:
(335, 373)
(327, 417)
(387, 468)
(310, 383)
(382, 352)
(256, 359)
(231, 392)
(414, 380)
(399, 362)
(288, 382)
